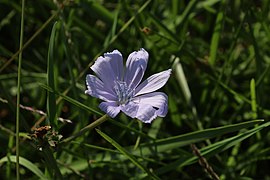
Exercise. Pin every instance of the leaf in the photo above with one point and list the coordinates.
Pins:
(26, 163)
(174, 142)
(212, 149)
(127, 154)
(51, 101)
(253, 98)
(71, 100)
(216, 34)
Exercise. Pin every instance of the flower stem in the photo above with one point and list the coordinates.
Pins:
(18, 97)
(87, 128)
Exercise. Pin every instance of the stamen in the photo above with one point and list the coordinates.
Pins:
(123, 92)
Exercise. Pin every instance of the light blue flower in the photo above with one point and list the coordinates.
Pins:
(120, 87)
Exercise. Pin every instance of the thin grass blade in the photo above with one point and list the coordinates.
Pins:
(51, 100)
(127, 154)
(26, 163)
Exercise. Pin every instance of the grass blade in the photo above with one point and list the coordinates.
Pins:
(216, 34)
(51, 100)
(227, 143)
(26, 163)
(126, 153)
(253, 98)
(71, 100)
(212, 149)
(174, 142)
(182, 81)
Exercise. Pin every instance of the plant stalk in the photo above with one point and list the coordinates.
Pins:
(87, 128)
(18, 96)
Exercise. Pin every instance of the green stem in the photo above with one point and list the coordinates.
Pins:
(18, 97)
(87, 128)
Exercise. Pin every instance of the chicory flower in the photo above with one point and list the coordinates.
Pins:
(120, 89)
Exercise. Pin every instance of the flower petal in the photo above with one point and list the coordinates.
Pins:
(135, 67)
(151, 105)
(130, 109)
(109, 68)
(146, 113)
(95, 88)
(110, 108)
(116, 61)
(153, 83)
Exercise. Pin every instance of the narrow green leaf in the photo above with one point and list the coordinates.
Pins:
(127, 154)
(175, 7)
(73, 101)
(87, 128)
(238, 96)
(113, 30)
(253, 99)
(212, 149)
(95, 147)
(254, 102)
(26, 163)
(128, 23)
(182, 81)
(227, 143)
(155, 128)
(190, 7)
(51, 163)
(100, 10)
(51, 100)
(174, 142)
(208, 3)
(165, 32)
(9, 152)
(216, 34)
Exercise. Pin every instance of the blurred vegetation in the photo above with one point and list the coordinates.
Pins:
(221, 46)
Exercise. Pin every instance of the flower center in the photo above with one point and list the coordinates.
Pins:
(123, 92)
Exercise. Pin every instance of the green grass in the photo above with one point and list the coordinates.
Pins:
(218, 90)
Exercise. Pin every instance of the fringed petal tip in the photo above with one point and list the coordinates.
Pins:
(148, 121)
(151, 106)
(142, 53)
(113, 52)
(135, 67)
